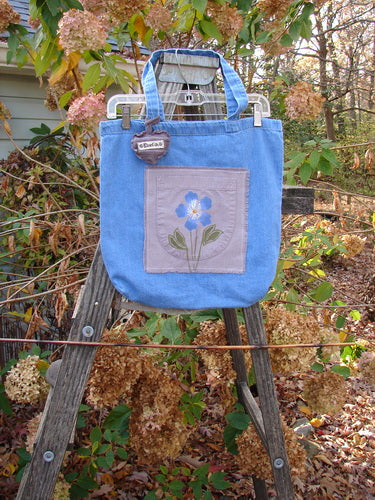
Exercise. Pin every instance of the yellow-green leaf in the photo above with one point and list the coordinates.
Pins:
(91, 77)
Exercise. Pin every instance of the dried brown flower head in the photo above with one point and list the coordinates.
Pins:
(62, 489)
(24, 382)
(32, 429)
(219, 363)
(54, 92)
(274, 8)
(353, 244)
(115, 371)
(34, 23)
(366, 366)
(327, 336)
(227, 19)
(159, 17)
(157, 429)
(253, 459)
(120, 11)
(325, 392)
(97, 7)
(302, 103)
(286, 327)
(328, 227)
(273, 47)
(7, 15)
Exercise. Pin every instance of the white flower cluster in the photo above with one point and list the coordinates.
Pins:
(24, 382)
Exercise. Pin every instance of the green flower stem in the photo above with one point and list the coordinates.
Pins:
(195, 244)
(188, 260)
(199, 254)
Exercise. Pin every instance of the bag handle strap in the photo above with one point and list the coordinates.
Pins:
(236, 97)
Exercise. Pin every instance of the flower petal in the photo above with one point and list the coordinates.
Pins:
(191, 224)
(190, 196)
(206, 203)
(181, 210)
(205, 219)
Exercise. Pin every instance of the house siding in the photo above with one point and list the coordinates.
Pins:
(24, 98)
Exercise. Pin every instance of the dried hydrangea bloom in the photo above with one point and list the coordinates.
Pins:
(157, 429)
(328, 227)
(24, 382)
(302, 103)
(159, 17)
(325, 392)
(219, 363)
(353, 244)
(32, 428)
(328, 336)
(366, 366)
(227, 19)
(253, 459)
(286, 327)
(120, 11)
(115, 371)
(62, 489)
(274, 8)
(97, 7)
(7, 15)
(34, 23)
(163, 391)
(81, 30)
(87, 111)
(54, 92)
(152, 446)
(273, 47)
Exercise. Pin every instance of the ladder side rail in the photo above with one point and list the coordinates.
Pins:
(58, 419)
(268, 403)
(238, 358)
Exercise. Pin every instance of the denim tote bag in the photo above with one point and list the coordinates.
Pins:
(198, 227)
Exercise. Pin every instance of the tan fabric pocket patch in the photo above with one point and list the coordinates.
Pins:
(195, 219)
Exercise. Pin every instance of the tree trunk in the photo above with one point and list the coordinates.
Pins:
(352, 99)
(323, 52)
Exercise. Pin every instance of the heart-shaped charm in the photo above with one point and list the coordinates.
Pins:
(151, 145)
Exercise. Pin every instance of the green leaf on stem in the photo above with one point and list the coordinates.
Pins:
(177, 240)
(211, 234)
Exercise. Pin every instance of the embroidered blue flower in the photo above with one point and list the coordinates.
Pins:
(194, 210)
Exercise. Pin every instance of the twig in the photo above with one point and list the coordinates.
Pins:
(36, 278)
(41, 294)
(45, 165)
(348, 146)
(45, 214)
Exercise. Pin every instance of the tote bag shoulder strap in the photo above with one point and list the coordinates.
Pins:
(236, 96)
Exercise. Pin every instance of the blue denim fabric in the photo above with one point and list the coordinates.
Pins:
(214, 143)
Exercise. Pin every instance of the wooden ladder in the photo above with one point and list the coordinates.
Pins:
(60, 412)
